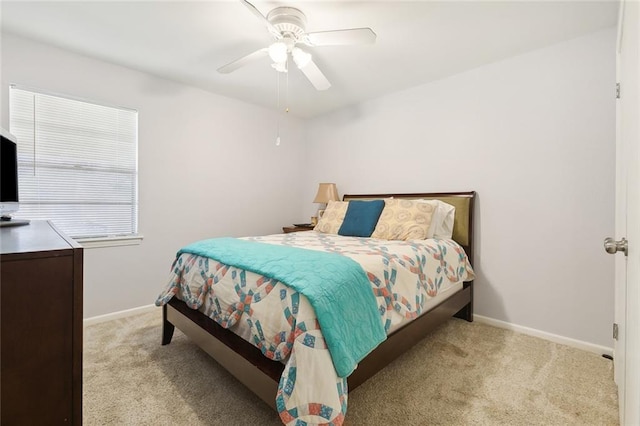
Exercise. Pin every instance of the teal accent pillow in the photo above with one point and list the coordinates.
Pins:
(361, 218)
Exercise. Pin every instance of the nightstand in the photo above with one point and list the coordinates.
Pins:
(294, 228)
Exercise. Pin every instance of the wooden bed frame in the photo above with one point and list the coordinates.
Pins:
(262, 375)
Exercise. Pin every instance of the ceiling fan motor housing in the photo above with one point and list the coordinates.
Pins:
(288, 20)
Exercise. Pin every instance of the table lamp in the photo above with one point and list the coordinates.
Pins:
(326, 192)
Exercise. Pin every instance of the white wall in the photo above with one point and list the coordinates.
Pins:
(208, 166)
(534, 135)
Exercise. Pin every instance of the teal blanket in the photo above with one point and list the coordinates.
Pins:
(336, 286)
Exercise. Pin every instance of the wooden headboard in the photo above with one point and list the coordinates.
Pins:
(462, 201)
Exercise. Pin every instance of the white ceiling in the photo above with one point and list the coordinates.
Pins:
(418, 41)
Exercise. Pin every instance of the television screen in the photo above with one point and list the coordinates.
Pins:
(8, 173)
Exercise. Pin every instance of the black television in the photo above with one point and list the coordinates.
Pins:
(9, 202)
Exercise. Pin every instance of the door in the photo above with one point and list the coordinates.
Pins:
(621, 231)
(627, 281)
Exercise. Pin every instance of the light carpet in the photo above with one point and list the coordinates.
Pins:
(462, 374)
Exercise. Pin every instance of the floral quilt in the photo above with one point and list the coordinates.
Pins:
(282, 324)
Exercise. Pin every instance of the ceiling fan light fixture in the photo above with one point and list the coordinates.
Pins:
(300, 57)
(288, 26)
(278, 52)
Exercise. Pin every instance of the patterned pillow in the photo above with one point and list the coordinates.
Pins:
(404, 220)
(331, 220)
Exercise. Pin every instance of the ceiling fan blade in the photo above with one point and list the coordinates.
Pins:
(341, 37)
(273, 30)
(251, 57)
(315, 76)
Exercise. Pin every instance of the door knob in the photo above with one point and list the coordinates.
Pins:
(612, 246)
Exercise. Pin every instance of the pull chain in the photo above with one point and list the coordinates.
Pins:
(278, 109)
(286, 99)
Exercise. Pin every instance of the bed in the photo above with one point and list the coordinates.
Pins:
(274, 364)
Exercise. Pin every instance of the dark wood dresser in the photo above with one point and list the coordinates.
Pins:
(41, 326)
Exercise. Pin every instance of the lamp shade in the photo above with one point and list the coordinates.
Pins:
(326, 192)
(278, 52)
(300, 57)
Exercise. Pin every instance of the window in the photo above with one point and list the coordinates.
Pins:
(77, 163)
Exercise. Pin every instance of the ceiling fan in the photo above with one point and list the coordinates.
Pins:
(287, 26)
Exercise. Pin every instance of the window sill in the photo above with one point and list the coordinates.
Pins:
(115, 241)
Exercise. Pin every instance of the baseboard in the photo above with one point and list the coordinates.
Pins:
(591, 347)
(120, 314)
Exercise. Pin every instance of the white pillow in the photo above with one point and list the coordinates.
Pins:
(442, 220)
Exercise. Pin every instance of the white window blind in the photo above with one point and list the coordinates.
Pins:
(77, 163)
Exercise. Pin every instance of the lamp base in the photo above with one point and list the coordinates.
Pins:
(320, 213)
